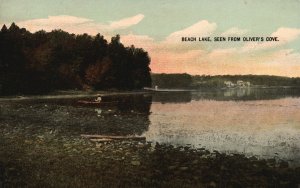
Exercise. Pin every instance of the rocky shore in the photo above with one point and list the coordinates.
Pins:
(49, 160)
(41, 146)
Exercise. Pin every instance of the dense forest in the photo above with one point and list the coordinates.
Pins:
(34, 63)
(172, 80)
(213, 82)
(45, 61)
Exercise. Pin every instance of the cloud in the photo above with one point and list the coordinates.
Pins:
(285, 62)
(202, 28)
(140, 41)
(168, 56)
(172, 62)
(285, 35)
(78, 25)
(285, 57)
(197, 59)
(136, 39)
(172, 42)
(126, 22)
(222, 52)
(234, 31)
(172, 56)
(69, 23)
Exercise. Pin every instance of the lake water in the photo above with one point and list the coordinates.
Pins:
(264, 128)
(255, 122)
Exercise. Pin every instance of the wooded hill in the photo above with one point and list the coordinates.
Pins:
(45, 61)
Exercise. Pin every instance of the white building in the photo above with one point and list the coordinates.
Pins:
(239, 83)
(229, 84)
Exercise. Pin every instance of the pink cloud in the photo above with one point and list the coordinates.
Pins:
(202, 28)
(194, 59)
(234, 31)
(78, 25)
(138, 40)
(126, 22)
(285, 35)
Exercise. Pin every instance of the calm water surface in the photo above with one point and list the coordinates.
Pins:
(260, 122)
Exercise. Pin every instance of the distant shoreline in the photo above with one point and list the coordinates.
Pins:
(186, 82)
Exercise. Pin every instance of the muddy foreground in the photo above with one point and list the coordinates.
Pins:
(41, 146)
(49, 161)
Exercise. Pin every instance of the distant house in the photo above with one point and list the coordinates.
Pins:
(239, 83)
(229, 84)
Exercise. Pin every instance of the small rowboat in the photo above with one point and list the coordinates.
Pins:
(88, 102)
(96, 103)
(166, 90)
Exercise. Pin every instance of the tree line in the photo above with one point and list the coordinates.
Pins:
(214, 82)
(217, 81)
(172, 80)
(45, 61)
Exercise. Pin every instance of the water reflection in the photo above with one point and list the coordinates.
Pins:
(132, 103)
(172, 97)
(237, 94)
(247, 94)
(115, 115)
(253, 122)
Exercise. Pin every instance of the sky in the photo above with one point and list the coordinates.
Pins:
(159, 25)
